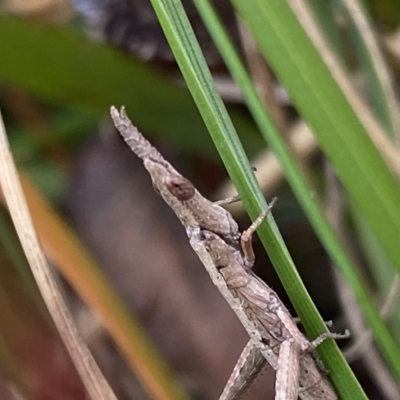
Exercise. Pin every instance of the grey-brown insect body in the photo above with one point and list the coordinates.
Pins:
(212, 233)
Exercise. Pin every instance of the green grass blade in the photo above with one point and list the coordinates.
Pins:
(195, 71)
(306, 198)
(199, 80)
(338, 129)
(324, 106)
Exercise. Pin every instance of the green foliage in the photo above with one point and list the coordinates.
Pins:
(65, 67)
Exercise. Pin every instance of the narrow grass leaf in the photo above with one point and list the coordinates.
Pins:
(198, 78)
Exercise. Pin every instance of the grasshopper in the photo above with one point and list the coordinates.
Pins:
(214, 235)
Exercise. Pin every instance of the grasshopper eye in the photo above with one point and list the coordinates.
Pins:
(180, 187)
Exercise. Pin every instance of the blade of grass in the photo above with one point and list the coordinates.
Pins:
(198, 78)
(194, 69)
(329, 112)
(85, 277)
(86, 366)
(305, 196)
(335, 124)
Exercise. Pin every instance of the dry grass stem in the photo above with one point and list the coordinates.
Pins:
(262, 76)
(360, 21)
(83, 360)
(370, 124)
